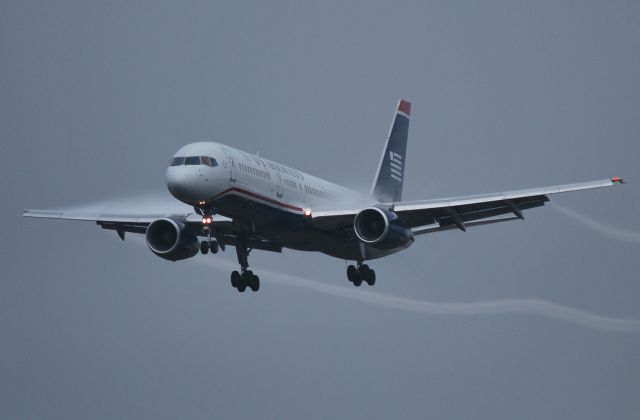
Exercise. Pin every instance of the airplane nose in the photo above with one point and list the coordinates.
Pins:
(181, 182)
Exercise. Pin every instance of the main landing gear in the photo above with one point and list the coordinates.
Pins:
(360, 274)
(245, 278)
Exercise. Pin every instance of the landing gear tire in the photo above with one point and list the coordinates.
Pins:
(235, 279)
(360, 274)
(371, 278)
(204, 247)
(364, 271)
(367, 274)
(214, 246)
(254, 283)
(352, 273)
(250, 280)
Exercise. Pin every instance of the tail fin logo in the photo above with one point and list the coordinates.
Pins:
(387, 184)
(396, 166)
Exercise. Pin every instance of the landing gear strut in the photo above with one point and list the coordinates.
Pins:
(245, 278)
(360, 274)
(211, 244)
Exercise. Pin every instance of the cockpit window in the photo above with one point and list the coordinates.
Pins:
(194, 160)
(209, 161)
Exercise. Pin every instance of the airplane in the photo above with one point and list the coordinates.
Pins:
(249, 202)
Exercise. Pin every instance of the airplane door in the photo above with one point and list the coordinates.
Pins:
(232, 165)
(279, 187)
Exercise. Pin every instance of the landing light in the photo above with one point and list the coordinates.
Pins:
(207, 220)
(307, 213)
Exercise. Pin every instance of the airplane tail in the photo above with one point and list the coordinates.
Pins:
(387, 185)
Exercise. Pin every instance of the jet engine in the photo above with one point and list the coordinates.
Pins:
(375, 226)
(171, 239)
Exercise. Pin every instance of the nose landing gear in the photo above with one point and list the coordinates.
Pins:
(207, 218)
(210, 245)
(360, 274)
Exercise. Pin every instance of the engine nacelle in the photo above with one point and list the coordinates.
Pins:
(371, 225)
(170, 239)
(375, 226)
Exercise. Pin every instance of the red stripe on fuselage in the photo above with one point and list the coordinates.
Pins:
(257, 196)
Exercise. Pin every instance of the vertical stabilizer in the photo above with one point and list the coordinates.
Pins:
(387, 185)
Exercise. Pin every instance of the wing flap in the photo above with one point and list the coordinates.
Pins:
(471, 212)
(436, 228)
(252, 243)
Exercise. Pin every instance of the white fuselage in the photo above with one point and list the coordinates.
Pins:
(253, 177)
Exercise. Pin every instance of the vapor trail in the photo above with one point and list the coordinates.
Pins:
(494, 307)
(599, 227)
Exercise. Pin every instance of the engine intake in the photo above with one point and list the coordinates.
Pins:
(371, 225)
(170, 239)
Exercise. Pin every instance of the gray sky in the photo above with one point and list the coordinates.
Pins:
(95, 98)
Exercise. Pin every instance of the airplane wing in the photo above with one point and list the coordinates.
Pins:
(427, 216)
(221, 227)
(118, 222)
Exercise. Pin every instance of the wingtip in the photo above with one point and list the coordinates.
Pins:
(617, 179)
